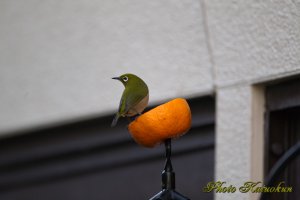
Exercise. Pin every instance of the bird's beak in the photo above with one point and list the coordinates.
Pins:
(116, 78)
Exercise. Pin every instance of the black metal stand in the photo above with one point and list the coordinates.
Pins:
(168, 179)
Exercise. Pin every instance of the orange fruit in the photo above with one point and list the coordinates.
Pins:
(169, 120)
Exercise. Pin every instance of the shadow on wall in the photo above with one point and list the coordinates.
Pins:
(91, 160)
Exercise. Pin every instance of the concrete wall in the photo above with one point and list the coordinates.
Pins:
(252, 42)
(57, 58)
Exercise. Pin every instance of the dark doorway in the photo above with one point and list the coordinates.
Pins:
(282, 132)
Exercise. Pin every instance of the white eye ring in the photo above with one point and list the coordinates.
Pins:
(125, 78)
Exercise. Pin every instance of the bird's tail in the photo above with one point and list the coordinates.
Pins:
(115, 120)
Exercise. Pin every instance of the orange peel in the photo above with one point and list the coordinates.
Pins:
(169, 120)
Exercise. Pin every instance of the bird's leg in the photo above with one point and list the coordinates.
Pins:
(137, 115)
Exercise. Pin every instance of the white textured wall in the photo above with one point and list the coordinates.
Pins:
(57, 57)
(252, 42)
(233, 141)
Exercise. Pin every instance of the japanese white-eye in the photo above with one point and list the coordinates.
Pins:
(134, 99)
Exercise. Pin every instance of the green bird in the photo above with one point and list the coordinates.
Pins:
(134, 99)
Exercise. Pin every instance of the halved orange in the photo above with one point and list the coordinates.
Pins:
(169, 120)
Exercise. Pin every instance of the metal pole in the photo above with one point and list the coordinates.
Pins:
(168, 179)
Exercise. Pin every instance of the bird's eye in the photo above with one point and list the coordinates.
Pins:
(125, 78)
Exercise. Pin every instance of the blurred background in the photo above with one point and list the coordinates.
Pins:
(57, 97)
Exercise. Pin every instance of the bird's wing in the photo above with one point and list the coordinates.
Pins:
(122, 106)
(128, 102)
(120, 112)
